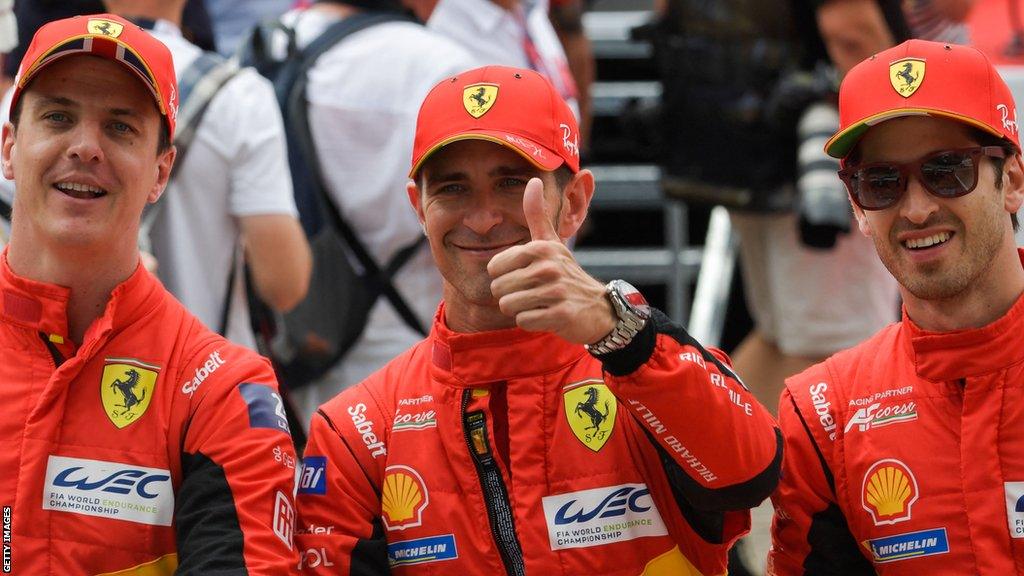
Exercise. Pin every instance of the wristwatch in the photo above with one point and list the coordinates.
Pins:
(633, 311)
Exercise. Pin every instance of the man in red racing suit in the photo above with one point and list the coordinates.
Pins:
(500, 444)
(136, 441)
(904, 455)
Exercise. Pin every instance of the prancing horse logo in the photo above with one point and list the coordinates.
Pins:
(590, 409)
(126, 389)
(477, 99)
(906, 75)
(104, 27)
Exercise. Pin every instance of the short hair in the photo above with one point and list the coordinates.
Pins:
(163, 142)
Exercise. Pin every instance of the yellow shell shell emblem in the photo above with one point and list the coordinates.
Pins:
(478, 98)
(889, 490)
(403, 498)
(104, 27)
(906, 75)
(590, 409)
(126, 389)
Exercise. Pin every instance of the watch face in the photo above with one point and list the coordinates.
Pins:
(632, 296)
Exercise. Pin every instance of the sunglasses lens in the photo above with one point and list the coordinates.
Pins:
(950, 174)
(877, 187)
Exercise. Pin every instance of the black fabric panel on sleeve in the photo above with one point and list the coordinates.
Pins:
(210, 540)
(736, 497)
(370, 556)
(637, 352)
(833, 549)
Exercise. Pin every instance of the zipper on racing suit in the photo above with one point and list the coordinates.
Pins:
(58, 358)
(499, 512)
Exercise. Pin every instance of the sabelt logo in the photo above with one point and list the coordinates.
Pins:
(212, 363)
(109, 490)
(821, 408)
(364, 427)
(601, 516)
(889, 491)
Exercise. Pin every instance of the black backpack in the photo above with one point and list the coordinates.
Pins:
(307, 341)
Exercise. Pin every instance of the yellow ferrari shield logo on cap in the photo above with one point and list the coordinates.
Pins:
(126, 389)
(590, 409)
(478, 98)
(906, 75)
(104, 27)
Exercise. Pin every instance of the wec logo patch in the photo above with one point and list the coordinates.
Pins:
(109, 490)
(601, 516)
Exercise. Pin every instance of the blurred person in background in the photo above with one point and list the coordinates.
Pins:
(230, 196)
(797, 263)
(233, 20)
(363, 96)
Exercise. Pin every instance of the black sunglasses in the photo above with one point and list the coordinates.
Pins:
(944, 174)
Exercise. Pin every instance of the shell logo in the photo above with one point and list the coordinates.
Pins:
(889, 490)
(403, 498)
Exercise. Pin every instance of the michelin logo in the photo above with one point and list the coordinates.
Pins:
(109, 490)
(601, 516)
(909, 545)
(422, 550)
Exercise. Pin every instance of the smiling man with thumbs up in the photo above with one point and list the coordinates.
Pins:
(549, 424)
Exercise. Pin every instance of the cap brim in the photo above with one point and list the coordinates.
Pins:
(128, 57)
(540, 156)
(840, 145)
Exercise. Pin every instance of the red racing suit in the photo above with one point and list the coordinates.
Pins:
(154, 445)
(905, 455)
(511, 452)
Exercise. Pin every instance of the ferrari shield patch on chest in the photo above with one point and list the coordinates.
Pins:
(478, 98)
(126, 389)
(590, 409)
(104, 27)
(906, 75)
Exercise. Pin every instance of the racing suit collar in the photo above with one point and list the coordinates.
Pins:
(946, 356)
(477, 359)
(42, 307)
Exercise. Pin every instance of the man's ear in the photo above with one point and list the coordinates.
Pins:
(7, 161)
(1013, 184)
(165, 162)
(575, 203)
(416, 199)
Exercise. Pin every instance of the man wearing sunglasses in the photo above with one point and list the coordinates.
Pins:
(905, 454)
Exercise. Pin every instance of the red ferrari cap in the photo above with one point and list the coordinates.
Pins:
(513, 107)
(920, 77)
(107, 36)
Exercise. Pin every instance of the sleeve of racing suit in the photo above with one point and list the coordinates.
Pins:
(809, 532)
(698, 413)
(234, 510)
(340, 532)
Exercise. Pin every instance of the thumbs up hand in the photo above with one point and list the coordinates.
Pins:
(541, 285)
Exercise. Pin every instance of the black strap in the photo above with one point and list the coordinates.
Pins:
(296, 109)
(198, 85)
